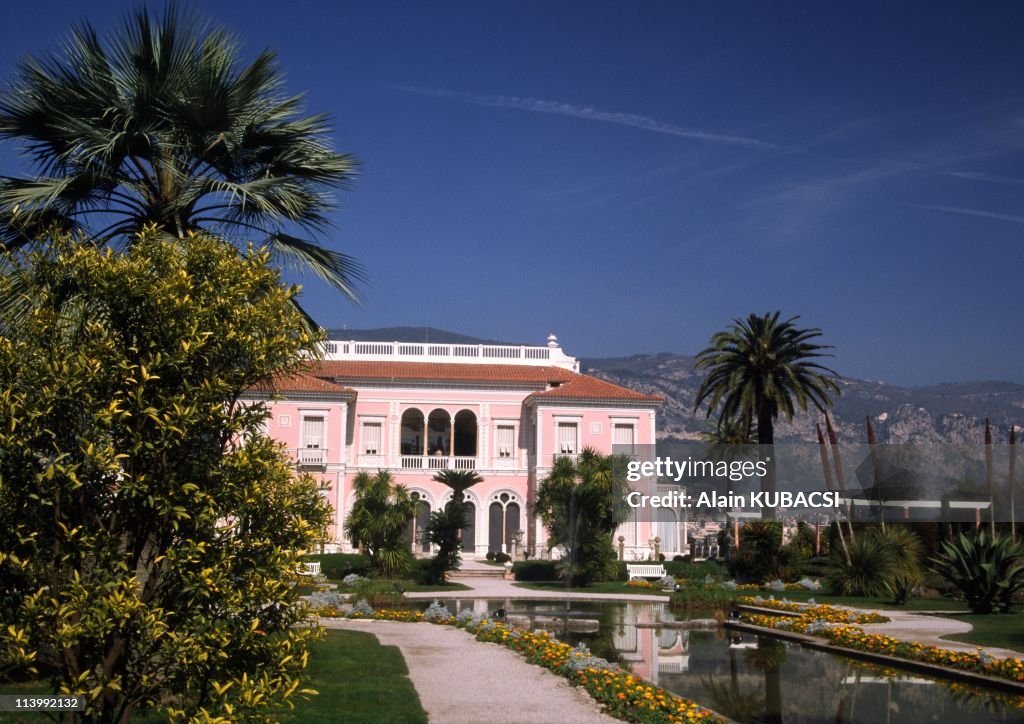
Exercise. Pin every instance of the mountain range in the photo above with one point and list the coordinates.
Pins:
(954, 412)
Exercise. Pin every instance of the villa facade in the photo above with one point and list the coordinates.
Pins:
(416, 409)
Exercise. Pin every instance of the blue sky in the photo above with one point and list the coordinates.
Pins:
(632, 176)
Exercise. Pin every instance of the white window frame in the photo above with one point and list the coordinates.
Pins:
(510, 452)
(371, 420)
(313, 415)
(630, 425)
(560, 448)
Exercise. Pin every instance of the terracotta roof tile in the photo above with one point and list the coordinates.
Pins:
(571, 385)
(301, 382)
(586, 388)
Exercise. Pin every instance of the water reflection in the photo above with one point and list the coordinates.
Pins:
(751, 679)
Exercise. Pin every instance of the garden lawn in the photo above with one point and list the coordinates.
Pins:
(429, 588)
(604, 587)
(360, 682)
(1005, 630)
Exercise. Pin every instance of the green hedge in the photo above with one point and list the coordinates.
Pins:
(336, 566)
(535, 570)
(813, 567)
(697, 570)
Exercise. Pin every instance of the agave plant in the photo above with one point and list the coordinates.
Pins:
(884, 561)
(987, 569)
(868, 570)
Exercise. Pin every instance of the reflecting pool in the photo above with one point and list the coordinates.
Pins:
(747, 678)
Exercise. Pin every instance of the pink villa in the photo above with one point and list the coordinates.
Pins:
(416, 409)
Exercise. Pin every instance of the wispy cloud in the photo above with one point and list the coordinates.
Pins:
(632, 120)
(1013, 218)
(991, 178)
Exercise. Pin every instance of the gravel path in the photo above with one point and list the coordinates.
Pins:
(464, 681)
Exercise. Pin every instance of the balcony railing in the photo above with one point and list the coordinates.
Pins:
(311, 456)
(438, 462)
(574, 457)
(466, 353)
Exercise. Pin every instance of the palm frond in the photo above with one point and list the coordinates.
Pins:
(340, 270)
(162, 122)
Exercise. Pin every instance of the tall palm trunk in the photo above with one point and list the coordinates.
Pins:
(1013, 481)
(875, 474)
(833, 440)
(990, 479)
(827, 468)
(766, 450)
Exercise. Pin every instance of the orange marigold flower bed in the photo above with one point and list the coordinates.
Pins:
(836, 625)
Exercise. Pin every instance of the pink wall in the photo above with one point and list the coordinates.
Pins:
(343, 447)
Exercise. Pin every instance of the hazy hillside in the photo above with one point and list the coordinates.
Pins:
(953, 412)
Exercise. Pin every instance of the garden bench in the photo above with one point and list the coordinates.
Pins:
(310, 568)
(645, 570)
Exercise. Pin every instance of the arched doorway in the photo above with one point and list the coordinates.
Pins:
(467, 534)
(503, 515)
(416, 527)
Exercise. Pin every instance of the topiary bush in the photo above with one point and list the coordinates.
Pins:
(536, 570)
(335, 566)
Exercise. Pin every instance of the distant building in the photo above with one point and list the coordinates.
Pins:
(418, 408)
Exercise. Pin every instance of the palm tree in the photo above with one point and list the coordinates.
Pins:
(728, 431)
(445, 525)
(581, 503)
(161, 123)
(762, 367)
(459, 481)
(377, 520)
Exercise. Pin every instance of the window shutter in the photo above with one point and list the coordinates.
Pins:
(623, 436)
(567, 438)
(371, 438)
(313, 432)
(505, 441)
